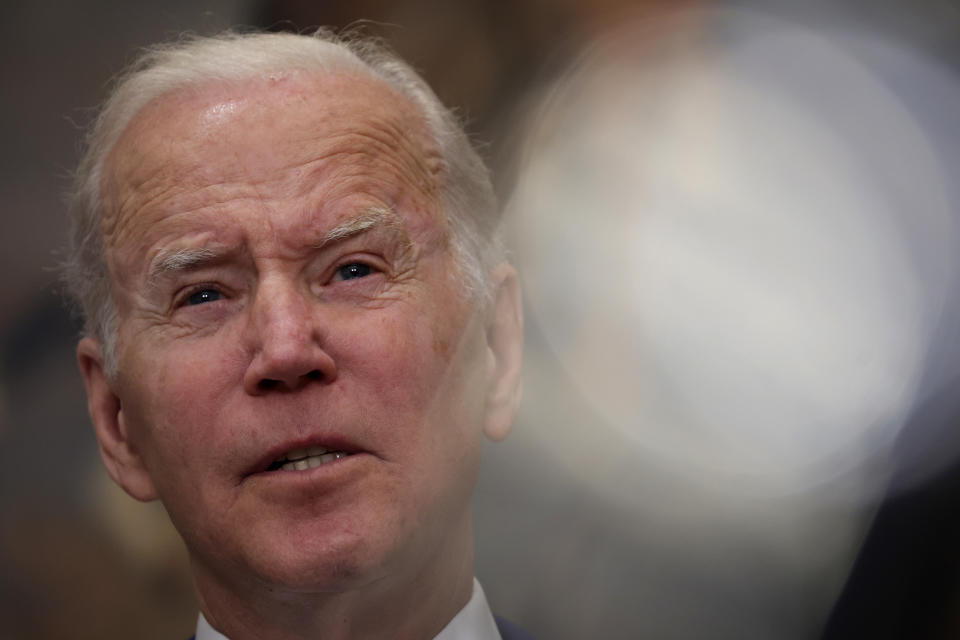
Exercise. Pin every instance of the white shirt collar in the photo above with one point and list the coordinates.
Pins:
(473, 622)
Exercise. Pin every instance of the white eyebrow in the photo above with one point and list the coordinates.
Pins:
(373, 217)
(181, 260)
(184, 259)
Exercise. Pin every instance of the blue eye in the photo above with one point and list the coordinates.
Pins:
(204, 295)
(354, 270)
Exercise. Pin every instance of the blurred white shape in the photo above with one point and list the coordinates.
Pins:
(738, 247)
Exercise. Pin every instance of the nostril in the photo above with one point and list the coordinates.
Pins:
(271, 384)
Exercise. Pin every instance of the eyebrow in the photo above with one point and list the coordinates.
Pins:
(185, 259)
(374, 217)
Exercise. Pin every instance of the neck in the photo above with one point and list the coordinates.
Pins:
(413, 604)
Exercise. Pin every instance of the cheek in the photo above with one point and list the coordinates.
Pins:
(404, 355)
(172, 405)
(423, 375)
(419, 386)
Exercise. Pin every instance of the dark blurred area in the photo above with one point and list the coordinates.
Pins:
(587, 525)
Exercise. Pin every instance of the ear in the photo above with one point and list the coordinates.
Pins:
(504, 353)
(123, 463)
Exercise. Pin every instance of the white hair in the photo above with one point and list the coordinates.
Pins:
(466, 193)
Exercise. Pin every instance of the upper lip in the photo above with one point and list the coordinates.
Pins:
(329, 443)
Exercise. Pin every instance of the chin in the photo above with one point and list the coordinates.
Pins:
(320, 561)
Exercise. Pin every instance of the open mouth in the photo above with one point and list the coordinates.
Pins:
(303, 459)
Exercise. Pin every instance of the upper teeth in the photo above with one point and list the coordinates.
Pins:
(302, 459)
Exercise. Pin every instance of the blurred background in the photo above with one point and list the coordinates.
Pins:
(736, 224)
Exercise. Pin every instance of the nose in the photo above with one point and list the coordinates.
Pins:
(285, 335)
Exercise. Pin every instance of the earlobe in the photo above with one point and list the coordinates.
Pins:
(504, 353)
(123, 463)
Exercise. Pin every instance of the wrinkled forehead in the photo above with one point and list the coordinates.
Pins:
(279, 122)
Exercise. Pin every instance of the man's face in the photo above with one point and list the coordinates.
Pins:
(284, 287)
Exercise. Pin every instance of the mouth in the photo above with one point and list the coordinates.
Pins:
(308, 458)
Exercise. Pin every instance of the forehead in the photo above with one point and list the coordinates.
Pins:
(265, 131)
